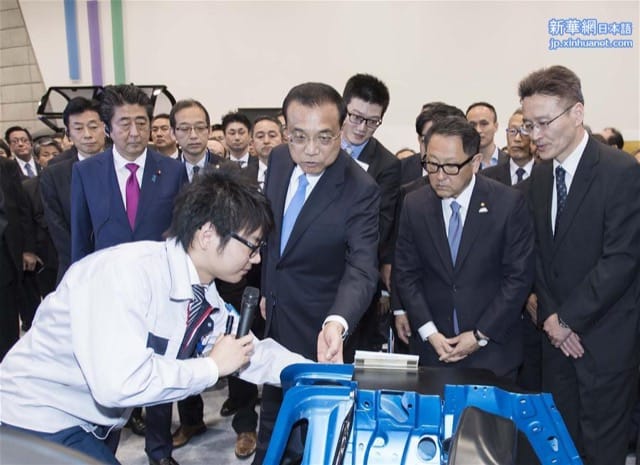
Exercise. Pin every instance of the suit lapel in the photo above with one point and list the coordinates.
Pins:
(477, 219)
(435, 225)
(277, 181)
(506, 174)
(367, 155)
(579, 187)
(116, 206)
(328, 188)
(542, 194)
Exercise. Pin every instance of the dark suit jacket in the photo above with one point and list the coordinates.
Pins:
(384, 168)
(410, 169)
(55, 190)
(70, 154)
(501, 173)
(589, 272)
(98, 215)
(44, 246)
(490, 281)
(24, 176)
(329, 266)
(395, 301)
(16, 230)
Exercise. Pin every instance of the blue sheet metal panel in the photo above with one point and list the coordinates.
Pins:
(377, 427)
(534, 414)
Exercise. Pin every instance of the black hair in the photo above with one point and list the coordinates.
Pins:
(235, 117)
(78, 105)
(456, 126)
(224, 198)
(120, 95)
(484, 104)
(273, 119)
(615, 138)
(188, 103)
(555, 81)
(12, 129)
(313, 94)
(433, 111)
(368, 88)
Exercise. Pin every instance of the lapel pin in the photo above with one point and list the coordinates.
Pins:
(483, 208)
(155, 176)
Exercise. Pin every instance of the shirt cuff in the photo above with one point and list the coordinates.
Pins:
(340, 320)
(399, 312)
(427, 330)
(206, 372)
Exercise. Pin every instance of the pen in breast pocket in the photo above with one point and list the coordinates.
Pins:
(229, 326)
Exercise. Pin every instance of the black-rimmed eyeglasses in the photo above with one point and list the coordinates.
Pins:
(255, 248)
(447, 168)
(371, 123)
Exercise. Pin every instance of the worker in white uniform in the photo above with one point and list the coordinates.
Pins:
(128, 325)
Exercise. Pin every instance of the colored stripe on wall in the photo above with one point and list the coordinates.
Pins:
(118, 41)
(71, 27)
(94, 42)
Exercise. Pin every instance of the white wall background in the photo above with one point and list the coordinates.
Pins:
(248, 54)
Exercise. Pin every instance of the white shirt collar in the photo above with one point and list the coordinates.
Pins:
(244, 159)
(184, 275)
(527, 168)
(570, 164)
(120, 161)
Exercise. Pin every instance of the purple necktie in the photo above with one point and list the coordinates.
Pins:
(132, 190)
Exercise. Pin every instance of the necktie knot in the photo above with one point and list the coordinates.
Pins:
(132, 167)
(455, 207)
(196, 169)
(303, 182)
(520, 172)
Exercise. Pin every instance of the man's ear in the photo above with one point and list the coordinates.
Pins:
(475, 163)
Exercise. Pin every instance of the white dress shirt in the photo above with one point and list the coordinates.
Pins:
(31, 163)
(244, 159)
(513, 168)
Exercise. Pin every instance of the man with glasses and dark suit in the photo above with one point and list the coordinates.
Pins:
(319, 269)
(587, 224)
(464, 258)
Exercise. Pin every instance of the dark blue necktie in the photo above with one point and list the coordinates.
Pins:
(561, 190)
(454, 235)
(520, 172)
(197, 313)
(295, 206)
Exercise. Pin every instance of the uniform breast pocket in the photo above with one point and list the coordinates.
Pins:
(157, 343)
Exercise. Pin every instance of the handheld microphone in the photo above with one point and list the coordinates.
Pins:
(250, 298)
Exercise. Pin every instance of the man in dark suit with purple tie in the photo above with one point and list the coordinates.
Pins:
(125, 194)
